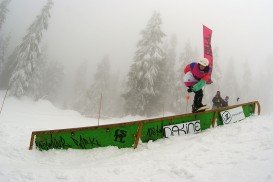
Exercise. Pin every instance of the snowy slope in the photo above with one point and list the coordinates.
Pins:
(238, 152)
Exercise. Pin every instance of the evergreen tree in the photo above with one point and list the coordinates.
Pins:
(3, 59)
(80, 86)
(101, 85)
(28, 53)
(4, 41)
(35, 82)
(46, 78)
(9, 66)
(116, 101)
(51, 79)
(169, 82)
(145, 77)
(3, 11)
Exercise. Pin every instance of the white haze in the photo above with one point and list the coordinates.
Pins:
(89, 29)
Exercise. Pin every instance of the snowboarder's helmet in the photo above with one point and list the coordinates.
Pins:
(203, 61)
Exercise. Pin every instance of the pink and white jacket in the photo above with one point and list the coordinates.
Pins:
(193, 74)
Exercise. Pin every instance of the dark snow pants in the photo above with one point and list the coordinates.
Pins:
(197, 101)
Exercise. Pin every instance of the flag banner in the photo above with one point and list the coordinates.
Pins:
(207, 33)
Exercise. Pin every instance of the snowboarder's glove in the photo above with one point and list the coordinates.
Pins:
(189, 90)
(199, 85)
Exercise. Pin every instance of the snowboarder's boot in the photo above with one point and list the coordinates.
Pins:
(198, 107)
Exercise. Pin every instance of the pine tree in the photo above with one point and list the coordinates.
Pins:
(35, 83)
(52, 76)
(145, 76)
(4, 41)
(169, 82)
(101, 85)
(9, 66)
(46, 78)
(3, 59)
(3, 11)
(28, 53)
(80, 86)
(115, 101)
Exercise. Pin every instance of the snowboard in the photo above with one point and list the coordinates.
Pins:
(201, 109)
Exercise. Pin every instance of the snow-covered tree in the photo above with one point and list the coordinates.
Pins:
(116, 101)
(35, 82)
(188, 55)
(3, 11)
(51, 80)
(101, 85)
(143, 96)
(46, 78)
(169, 82)
(4, 42)
(27, 54)
(80, 86)
(9, 66)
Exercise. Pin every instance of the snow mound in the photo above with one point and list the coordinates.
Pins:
(238, 152)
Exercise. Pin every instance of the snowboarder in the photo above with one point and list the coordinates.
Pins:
(196, 76)
(217, 100)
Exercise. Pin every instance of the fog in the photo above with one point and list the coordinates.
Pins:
(85, 29)
(90, 29)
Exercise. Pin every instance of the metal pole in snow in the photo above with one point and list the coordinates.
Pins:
(100, 109)
(163, 110)
(4, 101)
(187, 97)
(187, 106)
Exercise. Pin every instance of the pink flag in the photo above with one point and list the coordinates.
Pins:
(207, 46)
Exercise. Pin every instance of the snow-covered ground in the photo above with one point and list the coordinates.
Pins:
(238, 152)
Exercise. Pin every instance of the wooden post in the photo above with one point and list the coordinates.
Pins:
(31, 141)
(259, 107)
(4, 101)
(100, 109)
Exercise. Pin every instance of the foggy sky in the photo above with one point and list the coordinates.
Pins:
(89, 29)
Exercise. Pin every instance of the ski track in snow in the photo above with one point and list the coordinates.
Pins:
(238, 152)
